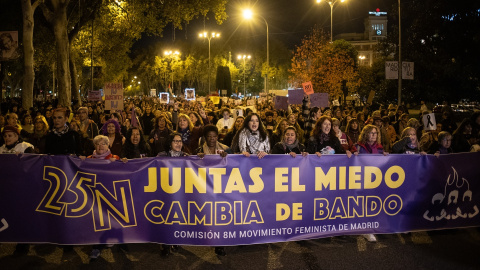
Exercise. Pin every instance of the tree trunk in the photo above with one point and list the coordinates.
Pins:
(62, 48)
(29, 77)
(75, 92)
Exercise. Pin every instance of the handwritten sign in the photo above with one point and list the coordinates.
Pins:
(94, 96)
(113, 96)
(308, 88)
(319, 100)
(429, 122)
(295, 96)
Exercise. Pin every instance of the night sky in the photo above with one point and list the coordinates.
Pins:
(288, 21)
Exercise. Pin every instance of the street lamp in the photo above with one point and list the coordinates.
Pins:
(244, 81)
(248, 14)
(331, 3)
(171, 55)
(209, 37)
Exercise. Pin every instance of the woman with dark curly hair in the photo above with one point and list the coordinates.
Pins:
(112, 130)
(353, 129)
(158, 138)
(135, 146)
(323, 140)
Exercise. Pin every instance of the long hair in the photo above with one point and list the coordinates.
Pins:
(349, 125)
(279, 123)
(234, 128)
(45, 123)
(190, 124)
(128, 143)
(364, 135)
(199, 119)
(318, 127)
(261, 128)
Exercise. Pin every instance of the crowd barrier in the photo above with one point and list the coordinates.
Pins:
(235, 200)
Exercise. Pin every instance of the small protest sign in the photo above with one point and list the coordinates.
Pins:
(281, 103)
(319, 100)
(295, 96)
(308, 88)
(429, 122)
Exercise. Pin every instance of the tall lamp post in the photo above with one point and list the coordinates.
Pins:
(244, 81)
(331, 3)
(209, 37)
(248, 14)
(171, 55)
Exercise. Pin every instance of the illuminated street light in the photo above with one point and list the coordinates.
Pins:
(209, 37)
(240, 57)
(331, 3)
(248, 14)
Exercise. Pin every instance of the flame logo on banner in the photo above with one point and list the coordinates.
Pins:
(455, 202)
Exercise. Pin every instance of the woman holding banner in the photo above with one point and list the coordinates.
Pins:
(112, 130)
(158, 138)
(253, 138)
(175, 148)
(323, 140)
(289, 144)
(135, 146)
(369, 143)
(408, 144)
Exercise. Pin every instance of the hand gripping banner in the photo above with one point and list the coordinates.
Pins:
(235, 200)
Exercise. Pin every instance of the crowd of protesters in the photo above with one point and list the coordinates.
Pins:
(148, 128)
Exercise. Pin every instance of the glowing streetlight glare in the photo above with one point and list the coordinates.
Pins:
(247, 14)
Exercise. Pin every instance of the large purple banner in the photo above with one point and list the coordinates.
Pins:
(234, 200)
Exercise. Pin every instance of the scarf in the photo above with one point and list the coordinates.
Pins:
(185, 134)
(289, 147)
(60, 133)
(370, 149)
(324, 138)
(102, 156)
(174, 153)
(250, 142)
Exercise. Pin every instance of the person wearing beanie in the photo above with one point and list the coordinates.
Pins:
(13, 143)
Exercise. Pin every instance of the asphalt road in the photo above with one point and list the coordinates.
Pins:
(446, 249)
